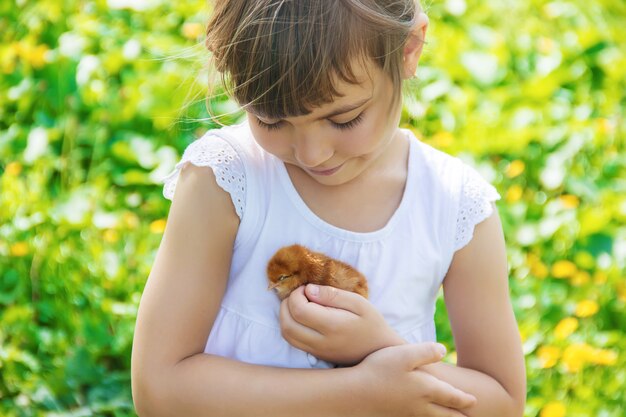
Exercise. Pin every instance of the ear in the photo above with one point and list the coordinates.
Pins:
(413, 46)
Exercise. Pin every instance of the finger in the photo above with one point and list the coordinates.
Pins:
(296, 333)
(418, 354)
(446, 395)
(435, 410)
(316, 316)
(336, 297)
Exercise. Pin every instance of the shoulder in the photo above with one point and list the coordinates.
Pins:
(460, 187)
(230, 154)
(188, 203)
(438, 173)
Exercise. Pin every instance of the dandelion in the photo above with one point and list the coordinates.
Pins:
(537, 268)
(443, 139)
(604, 357)
(586, 308)
(553, 409)
(19, 249)
(566, 327)
(13, 169)
(570, 201)
(580, 278)
(35, 55)
(564, 269)
(576, 355)
(548, 356)
(605, 126)
(110, 236)
(192, 30)
(599, 277)
(130, 220)
(514, 193)
(158, 226)
(515, 168)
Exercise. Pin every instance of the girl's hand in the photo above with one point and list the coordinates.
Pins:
(334, 325)
(393, 385)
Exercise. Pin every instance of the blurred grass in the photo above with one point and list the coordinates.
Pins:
(98, 99)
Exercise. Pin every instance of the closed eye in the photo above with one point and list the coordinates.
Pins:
(269, 126)
(341, 126)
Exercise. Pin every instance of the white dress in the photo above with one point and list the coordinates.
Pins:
(405, 262)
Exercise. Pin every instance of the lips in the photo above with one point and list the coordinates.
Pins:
(325, 172)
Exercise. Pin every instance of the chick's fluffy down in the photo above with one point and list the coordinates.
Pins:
(296, 265)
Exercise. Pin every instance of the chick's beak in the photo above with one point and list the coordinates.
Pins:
(272, 286)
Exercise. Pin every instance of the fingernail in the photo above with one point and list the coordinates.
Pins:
(314, 289)
(442, 349)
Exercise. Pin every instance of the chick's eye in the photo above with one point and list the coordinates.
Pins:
(283, 277)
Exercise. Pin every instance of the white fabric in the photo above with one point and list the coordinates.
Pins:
(405, 262)
(226, 165)
(475, 205)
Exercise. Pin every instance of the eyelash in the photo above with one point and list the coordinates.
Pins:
(341, 126)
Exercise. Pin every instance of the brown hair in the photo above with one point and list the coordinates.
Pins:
(278, 58)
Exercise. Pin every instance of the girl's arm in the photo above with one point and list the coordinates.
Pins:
(171, 376)
(490, 360)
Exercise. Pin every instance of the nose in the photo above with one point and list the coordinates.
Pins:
(312, 150)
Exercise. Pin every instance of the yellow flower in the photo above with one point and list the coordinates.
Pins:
(8, 57)
(604, 357)
(13, 169)
(130, 219)
(604, 125)
(19, 249)
(514, 193)
(566, 327)
(111, 236)
(442, 139)
(586, 308)
(580, 278)
(548, 356)
(621, 291)
(563, 269)
(537, 268)
(570, 201)
(515, 168)
(599, 277)
(576, 355)
(158, 226)
(35, 55)
(192, 30)
(553, 409)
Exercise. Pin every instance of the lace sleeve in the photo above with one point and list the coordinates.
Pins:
(227, 166)
(474, 205)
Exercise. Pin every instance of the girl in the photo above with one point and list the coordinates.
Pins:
(321, 161)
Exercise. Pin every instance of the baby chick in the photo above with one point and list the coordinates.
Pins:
(295, 265)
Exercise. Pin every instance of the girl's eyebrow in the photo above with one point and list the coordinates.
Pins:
(343, 109)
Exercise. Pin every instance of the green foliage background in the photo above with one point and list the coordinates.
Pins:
(98, 99)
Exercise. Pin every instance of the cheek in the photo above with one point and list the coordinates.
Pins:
(362, 139)
(273, 142)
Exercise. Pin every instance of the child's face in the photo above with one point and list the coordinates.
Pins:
(320, 146)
